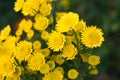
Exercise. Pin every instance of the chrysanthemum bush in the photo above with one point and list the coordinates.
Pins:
(48, 45)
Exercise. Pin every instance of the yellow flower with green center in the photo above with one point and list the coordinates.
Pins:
(59, 15)
(94, 72)
(45, 52)
(51, 64)
(7, 48)
(67, 22)
(45, 8)
(59, 70)
(35, 61)
(92, 37)
(23, 50)
(73, 74)
(69, 51)
(6, 65)
(41, 22)
(59, 59)
(56, 41)
(45, 35)
(93, 60)
(37, 45)
(53, 76)
(45, 68)
(80, 26)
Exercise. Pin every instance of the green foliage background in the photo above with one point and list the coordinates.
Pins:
(102, 13)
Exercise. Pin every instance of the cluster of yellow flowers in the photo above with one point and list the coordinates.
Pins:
(38, 49)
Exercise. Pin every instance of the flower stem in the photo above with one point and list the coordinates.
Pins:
(78, 42)
(54, 15)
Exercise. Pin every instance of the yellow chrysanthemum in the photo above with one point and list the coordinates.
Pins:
(59, 70)
(11, 39)
(93, 60)
(41, 22)
(51, 64)
(23, 50)
(92, 37)
(81, 25)
(94, 72)
(72, 74)
(59, 59)
(45, 8)
(36, 45)
(30, 34)
(25, 25)
(53, 76)
(18, 32)
(31, 7)
(59, 15)
(45, 52)
(12, 77)
(7, 48)
(18, 5)
(15, 75)
(45, 68)
(69, 51)
(6, 65)
(18, 71)
(56, 41)
(5, 32)
(35, 61)
(45, 35)
(67, 22)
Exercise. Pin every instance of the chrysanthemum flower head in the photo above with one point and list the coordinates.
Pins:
(45, 68)
(18, 5)
(56, 41)
(53, 76)
(7, 48)
(72, 74)
(69, 51)
(5, 32)
(45, 35)
(23, 50)
(41, 22)
(59, 70)
(30, 34)
(94, 72)
(81, 25)
(37, 44)
(6, 65)
(51, 64)
(92, 37)
(67, 22)
(59, 59)
(59, 15)
(35, 61)
(45, 52)
(25, 25)
(45, 8)
(93, 60)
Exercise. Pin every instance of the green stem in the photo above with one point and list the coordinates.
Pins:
(54, 15)
(78, 42)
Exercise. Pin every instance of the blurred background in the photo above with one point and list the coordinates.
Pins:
(102, 13)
